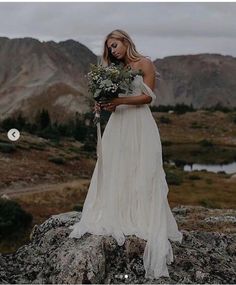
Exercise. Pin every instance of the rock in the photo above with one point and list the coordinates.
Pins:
(205, 219)
(222, 219)
(5, 196)
(51, 257)
(182, 210)
(233, 176)
(4, 277)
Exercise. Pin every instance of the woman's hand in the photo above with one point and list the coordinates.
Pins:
(111, 105)
(97, 107)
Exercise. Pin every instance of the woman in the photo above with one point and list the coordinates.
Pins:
(128, 190)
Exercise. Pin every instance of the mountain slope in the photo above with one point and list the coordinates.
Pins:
(48, 73)
(202, 80)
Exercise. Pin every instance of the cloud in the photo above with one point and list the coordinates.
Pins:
(159, 29)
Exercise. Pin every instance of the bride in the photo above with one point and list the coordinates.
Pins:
(128, 189)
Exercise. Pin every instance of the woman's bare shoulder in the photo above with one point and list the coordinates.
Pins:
(145, 64)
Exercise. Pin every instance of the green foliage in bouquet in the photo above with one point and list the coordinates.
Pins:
(107, 82)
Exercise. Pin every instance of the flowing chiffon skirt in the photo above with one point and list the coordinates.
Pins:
(128, 189)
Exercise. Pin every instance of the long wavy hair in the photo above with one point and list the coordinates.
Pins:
(120, 35)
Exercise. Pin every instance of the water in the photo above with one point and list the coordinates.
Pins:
(227, 168)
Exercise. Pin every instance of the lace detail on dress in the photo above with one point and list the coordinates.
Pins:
(147, 90)
(138, 87)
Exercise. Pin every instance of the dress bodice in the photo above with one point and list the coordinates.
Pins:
(139, 87)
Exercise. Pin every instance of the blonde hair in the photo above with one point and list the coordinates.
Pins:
(120, 35)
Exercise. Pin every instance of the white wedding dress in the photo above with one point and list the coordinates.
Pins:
(128, 189)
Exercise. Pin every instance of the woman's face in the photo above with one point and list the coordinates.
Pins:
(117, 48)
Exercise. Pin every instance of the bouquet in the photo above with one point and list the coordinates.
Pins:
(106, 83)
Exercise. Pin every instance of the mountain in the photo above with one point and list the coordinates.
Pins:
(49, 75)
(202, 80)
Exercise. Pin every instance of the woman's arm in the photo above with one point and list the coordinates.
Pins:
(148, 69)
(133, 100)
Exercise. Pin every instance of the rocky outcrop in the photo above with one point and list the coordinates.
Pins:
(52, 257)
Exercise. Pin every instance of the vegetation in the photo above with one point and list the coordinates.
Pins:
(178, 108)
(194, 177)
(174, 177)
(7, 147)
(57, 160)
(206, 143)
(183, 108)
(44, 127)
(13, 219)
(196, 125)
(220, 107)
(166, 143)
(208, 203)
(201, 137)
(78, 207)
(165, 120)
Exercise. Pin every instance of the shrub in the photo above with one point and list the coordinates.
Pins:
(208, 181)
(78, 208)
(80, 132)
(7, 147)
(89, 147)
(155, 108)
(232, 117)
(49, 133)
(178, 108)
(8, 124)
(13, 219)
(182, 108)
(209, 203)
(165, 120)
(218, 107)
(39, 146)
(195, 152)
(74, 149)
(195, 125)
(166, 143)
(173, 179)
(43, 119)
(180, 162)
(206, 143)
(57, 160)
(194, 177)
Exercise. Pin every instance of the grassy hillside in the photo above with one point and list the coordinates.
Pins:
(47, 177)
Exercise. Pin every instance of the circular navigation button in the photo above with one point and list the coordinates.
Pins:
(13, 134)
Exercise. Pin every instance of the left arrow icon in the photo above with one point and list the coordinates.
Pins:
(13, 134)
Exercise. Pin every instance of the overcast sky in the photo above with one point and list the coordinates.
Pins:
(158, 29)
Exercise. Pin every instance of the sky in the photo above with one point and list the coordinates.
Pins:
(158, 29)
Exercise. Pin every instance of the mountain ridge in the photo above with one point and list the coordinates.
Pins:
(30, 69)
